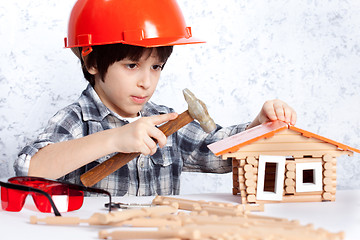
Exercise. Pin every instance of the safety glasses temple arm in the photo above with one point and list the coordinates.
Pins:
(90, 189)
(97, 190)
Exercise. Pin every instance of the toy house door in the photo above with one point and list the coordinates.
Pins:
(270, 182)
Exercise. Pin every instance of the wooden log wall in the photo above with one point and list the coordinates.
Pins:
(245, 173)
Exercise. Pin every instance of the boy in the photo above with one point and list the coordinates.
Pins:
(123, 46)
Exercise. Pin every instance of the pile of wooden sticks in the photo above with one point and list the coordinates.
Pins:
(187, 219)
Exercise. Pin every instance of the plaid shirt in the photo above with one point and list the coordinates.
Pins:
(186, 150)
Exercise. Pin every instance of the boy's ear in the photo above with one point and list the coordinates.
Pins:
(91, 69)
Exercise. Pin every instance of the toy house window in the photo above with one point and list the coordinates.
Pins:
(309, 177)
(270, 176)
(270, 181)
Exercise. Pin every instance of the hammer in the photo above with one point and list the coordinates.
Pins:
(196, 110)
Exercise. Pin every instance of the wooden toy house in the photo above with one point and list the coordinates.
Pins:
(276, 162)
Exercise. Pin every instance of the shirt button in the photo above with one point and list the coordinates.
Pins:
(142, 163)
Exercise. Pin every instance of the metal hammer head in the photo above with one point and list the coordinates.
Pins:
(198, 111)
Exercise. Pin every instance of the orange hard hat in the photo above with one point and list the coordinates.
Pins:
(146, 23)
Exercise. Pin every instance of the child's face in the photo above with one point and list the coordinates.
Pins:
(128, 84)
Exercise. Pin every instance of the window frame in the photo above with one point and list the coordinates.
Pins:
(309, 187)
(279, 178)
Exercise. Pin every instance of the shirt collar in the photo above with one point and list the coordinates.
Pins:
(91, 105)
(93, 109)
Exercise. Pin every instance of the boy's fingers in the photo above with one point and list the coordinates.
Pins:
(150, 146)
(279, 110)
(157, 135)
(269, 111)
(154, 135)
(288, 113)
(159, 119)
(293, 118)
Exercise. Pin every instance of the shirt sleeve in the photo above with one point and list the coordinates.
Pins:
(63, 126)
(197, 157)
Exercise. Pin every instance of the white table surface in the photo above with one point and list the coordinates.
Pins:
(341, 215)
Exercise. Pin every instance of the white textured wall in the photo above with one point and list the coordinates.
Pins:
(304, 52)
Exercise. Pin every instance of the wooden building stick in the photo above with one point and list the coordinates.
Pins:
(186, 232)
(222, 211)
(151, 222)
(106, 218)
(295, 198)
(192, 205)
(58, 220)
(162, 233)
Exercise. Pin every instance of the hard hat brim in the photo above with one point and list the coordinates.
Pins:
(153, 42)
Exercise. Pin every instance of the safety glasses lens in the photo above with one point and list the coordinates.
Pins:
(65, 198)
(12, 200)
(63, 195)
(76, 199)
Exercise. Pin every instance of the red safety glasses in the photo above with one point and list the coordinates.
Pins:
(49, 195)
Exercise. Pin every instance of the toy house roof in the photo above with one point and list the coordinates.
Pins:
(266, 130)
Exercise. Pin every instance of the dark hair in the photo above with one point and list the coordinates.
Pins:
(103, 56)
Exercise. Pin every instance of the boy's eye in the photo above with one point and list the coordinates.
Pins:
(131, 65)
(157, 67)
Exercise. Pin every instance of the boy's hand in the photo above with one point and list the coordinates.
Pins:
(142, 135)
(275, 110)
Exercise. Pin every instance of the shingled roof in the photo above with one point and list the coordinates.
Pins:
(265, 130)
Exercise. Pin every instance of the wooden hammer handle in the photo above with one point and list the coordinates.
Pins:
(109, 166)
(172, 126)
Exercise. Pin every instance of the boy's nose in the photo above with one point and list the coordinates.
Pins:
(145, 80)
